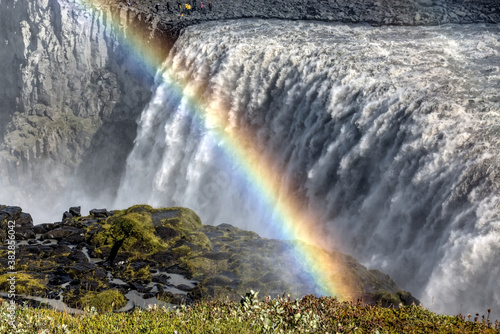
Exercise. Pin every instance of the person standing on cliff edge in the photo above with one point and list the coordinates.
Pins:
(210, 5)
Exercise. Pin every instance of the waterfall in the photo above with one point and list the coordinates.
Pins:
(390, 133)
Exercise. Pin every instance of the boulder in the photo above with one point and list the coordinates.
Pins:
(61, 233)
(12, 212)
(99, 213)
(67, 216)
(75, 211)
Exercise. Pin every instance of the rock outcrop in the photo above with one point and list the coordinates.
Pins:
(164, 256)
(379, 12)
(70, 96)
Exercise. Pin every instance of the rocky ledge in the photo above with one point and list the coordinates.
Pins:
(178, 14)
(118, 260)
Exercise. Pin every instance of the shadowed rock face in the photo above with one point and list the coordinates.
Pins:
(70, 97)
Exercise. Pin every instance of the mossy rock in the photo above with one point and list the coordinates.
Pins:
(25, 284)
(182, 251)
(387, 299)
(186, 221)
(105, 301)
(200, 240)
(142, 275)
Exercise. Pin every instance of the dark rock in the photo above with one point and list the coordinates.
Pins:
(226, 228)
(148, 295)
(162, 278)
(184, 287)
(25, 234)
(218, 256)
(99, 213)
(166, 233)
(67, 216)
(74, 239)
(58, 280)
(176, 269)
(52, 294)
(139, 288)
(61, 250)
(166, 258)
(100, 273)
(61, 233)
(89, 285)
(82, 268)
(76, 281)
(75, 211)
(78, 256)
(13, 212)
(138, 265)
(43, 228)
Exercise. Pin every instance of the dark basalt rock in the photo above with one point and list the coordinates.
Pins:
(81, 268)
(67, 216)
(42, 228)
(11, 212)
(99, 213)
(222, 259)
(75, 211)
(62, 232)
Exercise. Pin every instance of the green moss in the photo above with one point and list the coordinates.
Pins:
(25, 284)
(200, 239)
(140, 208)
(186, 221)
(182, 251)
(104, 301)
(142, 275)
(387, 298)
(130, 230)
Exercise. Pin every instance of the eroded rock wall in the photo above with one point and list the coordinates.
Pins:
(70, 94)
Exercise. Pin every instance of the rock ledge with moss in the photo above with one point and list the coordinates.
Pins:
(119, 260)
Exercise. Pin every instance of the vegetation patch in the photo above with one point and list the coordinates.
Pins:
(25, 284)
(104, 301)
(248, 315)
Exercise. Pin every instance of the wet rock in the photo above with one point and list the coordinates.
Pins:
(79, 256)
(184, 287)
(74, 239)
(61, 250)
(61, 233)
(43, 228)
(12, 212)
(166, 233)
(82, 268)
(99, 213)
(75, 211)
(226, 228)
(59, 279)
(67, 216)
(162, 278)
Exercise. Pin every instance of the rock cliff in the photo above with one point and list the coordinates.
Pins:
(70, 92)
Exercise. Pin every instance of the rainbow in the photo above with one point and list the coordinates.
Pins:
(296, 221)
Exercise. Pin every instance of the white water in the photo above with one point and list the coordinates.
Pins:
(392, 133)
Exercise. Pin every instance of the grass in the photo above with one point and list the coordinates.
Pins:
(281, 315)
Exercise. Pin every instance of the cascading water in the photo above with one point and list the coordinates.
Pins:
(392, 134)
